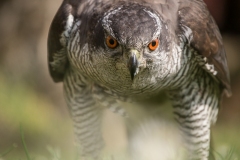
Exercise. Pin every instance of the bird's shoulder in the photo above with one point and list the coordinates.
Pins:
(205, 37)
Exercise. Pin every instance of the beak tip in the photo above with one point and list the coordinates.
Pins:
(132, 77)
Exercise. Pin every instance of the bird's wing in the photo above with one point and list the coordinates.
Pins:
(59, 33)
(206, 38)
(57, 39)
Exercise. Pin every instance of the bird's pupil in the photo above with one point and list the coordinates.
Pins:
(111, 41)
(153, 43)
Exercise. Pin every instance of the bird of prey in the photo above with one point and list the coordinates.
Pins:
(106, 51)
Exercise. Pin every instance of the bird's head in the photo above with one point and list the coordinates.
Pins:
(131, 34)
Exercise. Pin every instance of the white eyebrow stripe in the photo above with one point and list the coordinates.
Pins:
(106, 22)
(157, 20)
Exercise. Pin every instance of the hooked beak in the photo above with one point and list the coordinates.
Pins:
(133, 63)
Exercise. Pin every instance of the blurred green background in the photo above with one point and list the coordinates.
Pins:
(28, 96)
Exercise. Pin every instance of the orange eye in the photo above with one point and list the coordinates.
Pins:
(111, 42)
(153, 45)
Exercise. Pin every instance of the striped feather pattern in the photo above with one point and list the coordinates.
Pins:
(196, 103)
(85, 113)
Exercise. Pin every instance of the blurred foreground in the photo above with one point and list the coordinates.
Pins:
(30, 98)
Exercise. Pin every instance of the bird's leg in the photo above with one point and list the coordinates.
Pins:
(85, 113)
(195, 107)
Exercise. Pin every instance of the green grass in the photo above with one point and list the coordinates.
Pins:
(24, 144)
(43, 123)
(8, 150)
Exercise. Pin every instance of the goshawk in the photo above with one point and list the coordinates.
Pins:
(105, 51)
